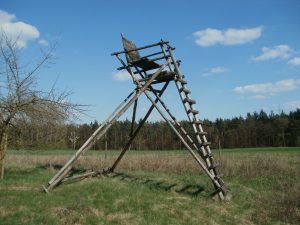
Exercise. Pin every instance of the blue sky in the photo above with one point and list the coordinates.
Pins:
(238, 56)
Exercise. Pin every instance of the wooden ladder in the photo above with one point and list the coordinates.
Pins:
(203, 148)
(166, 71)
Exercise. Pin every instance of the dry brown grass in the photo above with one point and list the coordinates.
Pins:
(269, 180)
(232, 164)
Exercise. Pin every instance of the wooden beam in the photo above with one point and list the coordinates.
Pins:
(67, 167)
(127, 145)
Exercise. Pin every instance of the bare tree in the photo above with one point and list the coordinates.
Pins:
(20, 97)
(73, 138)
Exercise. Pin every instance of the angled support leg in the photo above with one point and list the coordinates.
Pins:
(127, 145)
(195, 156)
(133, 117)
(100, 132)
(175, 120)
(204, 150)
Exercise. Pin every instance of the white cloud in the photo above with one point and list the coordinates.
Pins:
(295, 61)
(43, 42)
(265, 90)
(218, 69)
(259, 97)
(5, 17)
(278, 51)
(17, 30)
(121, 75)
(232, 36)
(215, 70)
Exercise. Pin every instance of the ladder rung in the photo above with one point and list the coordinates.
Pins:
(191, 101)
(181, 80)
(197, 122)
(192, 111)
(205, 143)
(221, 182)
(187, 91)
(201, 133)
(209, 155)
(217, 177)
(219, 189)
(213, 166)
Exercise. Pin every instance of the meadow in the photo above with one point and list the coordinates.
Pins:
(153, 187)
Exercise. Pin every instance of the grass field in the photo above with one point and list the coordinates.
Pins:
(153, 187)
(167, 152)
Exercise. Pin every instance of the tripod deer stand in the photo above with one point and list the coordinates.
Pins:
(160, 67)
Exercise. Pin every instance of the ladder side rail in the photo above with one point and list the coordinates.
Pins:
(204, 151)
(216, 183)
(175, 120)
(203, 139)
(165, 54)
(163, 104)
(182, 98)
(191, 117)
(170, 68)
(208, 160)
(178, 73)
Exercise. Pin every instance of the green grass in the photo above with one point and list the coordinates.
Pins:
(264, 191)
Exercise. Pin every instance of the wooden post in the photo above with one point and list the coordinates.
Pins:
(125, 148)
(98, 133)
(142, 65)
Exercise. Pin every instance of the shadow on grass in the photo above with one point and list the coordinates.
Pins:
(73, 171)
(189, 189)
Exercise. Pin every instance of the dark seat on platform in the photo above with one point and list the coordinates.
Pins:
(134, 58)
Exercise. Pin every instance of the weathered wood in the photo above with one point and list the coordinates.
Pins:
(174, 120)
(192, 115)
(141, 48)
(66, 168)
(80, 176)
(183, 141)
(79, 152)
(136, 64)
(126, 146)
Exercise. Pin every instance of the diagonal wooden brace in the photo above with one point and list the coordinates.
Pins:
(100, 132)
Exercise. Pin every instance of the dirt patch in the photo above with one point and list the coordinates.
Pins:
(3, 212)
(119, 216)
(19, 188)
(96, 212)
(119, 202)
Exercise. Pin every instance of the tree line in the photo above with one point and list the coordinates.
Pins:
(258, 129)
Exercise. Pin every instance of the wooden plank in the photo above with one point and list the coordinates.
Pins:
(66, 168)
(89, 140)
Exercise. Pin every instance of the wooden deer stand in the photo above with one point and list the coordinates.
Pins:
(160, 67)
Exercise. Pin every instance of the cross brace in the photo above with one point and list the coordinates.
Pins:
(199, 150)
